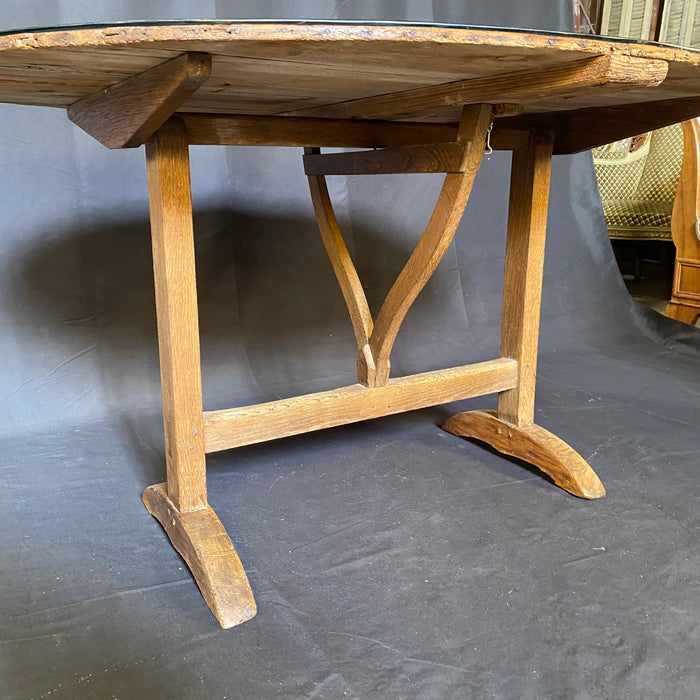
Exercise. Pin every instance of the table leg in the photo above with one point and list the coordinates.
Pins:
(181, 505)
(511, 429)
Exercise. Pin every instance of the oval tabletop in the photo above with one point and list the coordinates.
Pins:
(410, 72)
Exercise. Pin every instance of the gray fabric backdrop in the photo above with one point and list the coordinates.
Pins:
(501, 591)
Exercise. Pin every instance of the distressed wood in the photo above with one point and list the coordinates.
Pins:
(235, 427)
(176, 305)
(268, 69)
(534, 445)
(435, 239)
(428, 158)
(126, 114)
(203, 543)
(522, 286)
(605, 72)
(685, 297)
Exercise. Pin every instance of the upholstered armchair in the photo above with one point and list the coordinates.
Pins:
(650, 189)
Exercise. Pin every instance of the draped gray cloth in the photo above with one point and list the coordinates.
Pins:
(388, 559)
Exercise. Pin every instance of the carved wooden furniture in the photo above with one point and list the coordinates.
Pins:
(685, 228)
(421, 99)
(653, 193)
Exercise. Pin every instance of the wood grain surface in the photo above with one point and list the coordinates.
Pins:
(522, 283)
(176, 306)
(203, 543)
(124, 115)
(235, 427)
(283, 68)
(533, 445)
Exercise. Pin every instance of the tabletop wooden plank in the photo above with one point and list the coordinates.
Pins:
(276, 68)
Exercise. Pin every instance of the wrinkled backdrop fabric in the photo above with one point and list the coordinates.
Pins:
(389, 559)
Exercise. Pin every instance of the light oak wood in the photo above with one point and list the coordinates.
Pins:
(314, 132)
(235, 427)
(685, 297)
(522, 287)
(203, 543)
(534, 445)
(582, 129)
(428, 158)
(344, 269)
(569, 80)
(273, 68)
(176, 305)
(683, 312)
(574, 93)
(126, 114)
(261, 130)
(435, 240)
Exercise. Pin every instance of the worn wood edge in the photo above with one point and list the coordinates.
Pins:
(234, 427)
(128, 113)
(317, 132)
(428, 158)
(154, 36)
(569, 79)
(203, 543)
(534, 445)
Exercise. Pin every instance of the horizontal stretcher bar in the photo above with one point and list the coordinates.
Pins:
(428, 158)
(235, 427)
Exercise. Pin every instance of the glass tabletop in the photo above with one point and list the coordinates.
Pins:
(348, 23)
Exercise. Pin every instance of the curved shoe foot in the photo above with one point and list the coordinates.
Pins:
(200, 538)
(534, 445)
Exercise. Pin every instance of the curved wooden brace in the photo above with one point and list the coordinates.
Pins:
(375, 341)
(435, 240)
(345, 273)
(534, 445)
(201, 539)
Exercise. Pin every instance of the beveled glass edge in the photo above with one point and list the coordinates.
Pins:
(346, 23)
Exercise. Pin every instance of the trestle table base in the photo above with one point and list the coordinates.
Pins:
(181, 504)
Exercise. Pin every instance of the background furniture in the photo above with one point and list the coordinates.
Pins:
(647, 195)
(639, 178)
(685, 227)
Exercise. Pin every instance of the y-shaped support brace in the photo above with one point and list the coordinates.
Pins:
(375, 340)
(511, 429)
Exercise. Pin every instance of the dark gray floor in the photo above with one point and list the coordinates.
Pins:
(389, 560)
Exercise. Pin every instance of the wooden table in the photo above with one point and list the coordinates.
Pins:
(417, 99)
